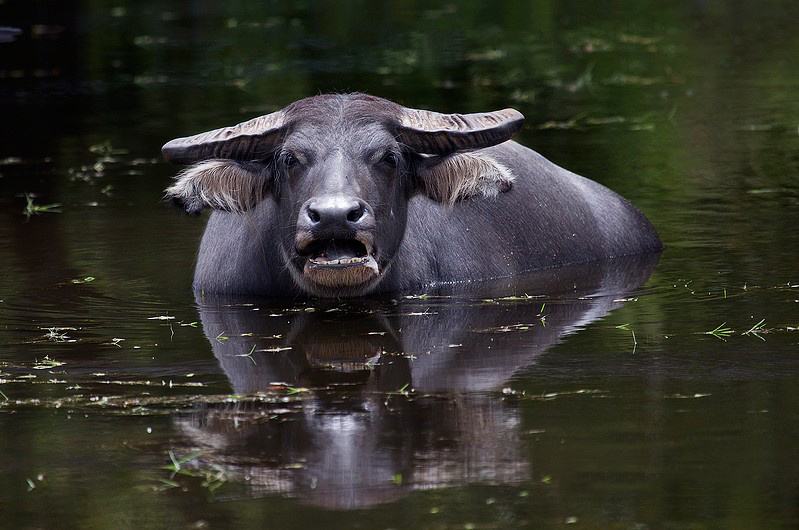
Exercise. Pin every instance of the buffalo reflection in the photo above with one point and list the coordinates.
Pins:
(355, 441)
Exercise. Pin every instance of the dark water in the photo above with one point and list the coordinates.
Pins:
(588, 397)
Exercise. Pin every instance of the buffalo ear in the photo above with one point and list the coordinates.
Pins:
(452, 178)
(224, 185)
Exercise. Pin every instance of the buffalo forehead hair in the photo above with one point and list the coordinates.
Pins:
(353, 109)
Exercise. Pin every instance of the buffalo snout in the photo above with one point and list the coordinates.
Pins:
(335, 216)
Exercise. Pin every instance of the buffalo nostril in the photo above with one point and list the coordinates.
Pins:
(334, 211)
(355, 214)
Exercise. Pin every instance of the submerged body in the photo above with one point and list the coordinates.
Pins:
(346, 195)
(550, 217)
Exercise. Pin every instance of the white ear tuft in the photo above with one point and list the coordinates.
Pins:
(464, 175)
(219, 184)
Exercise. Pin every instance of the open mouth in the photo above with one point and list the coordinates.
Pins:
(337, 253)
(340, 262)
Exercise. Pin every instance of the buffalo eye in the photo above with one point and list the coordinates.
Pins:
(390, 159)
(289, 160)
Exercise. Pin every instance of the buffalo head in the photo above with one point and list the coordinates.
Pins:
(340, 170)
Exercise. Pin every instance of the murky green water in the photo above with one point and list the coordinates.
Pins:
(583, 398)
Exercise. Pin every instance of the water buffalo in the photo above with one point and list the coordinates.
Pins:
(349, 194)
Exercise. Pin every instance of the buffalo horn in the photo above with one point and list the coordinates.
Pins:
(434, 133)
(249, 140)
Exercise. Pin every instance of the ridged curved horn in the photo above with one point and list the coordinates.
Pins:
(249, 140)
(434, 133)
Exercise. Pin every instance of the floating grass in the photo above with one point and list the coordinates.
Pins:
(168, 483)
(248, 355)
(31, 208)
(515, 298)
(627, 327)
(720, 332)
(212, 478)
(176, 464)
(57, 334)
(757, 329)
(47, 363)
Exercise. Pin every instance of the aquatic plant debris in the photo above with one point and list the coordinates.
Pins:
(508, 328)
(31, 208)
(176, 464)
(514, 298)
(47, 363)
(627, 327)
(757, 329)
(145, 404)
(720, 332)
(212, 478)
(687, 396)
(57, 334)
(248, 355)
